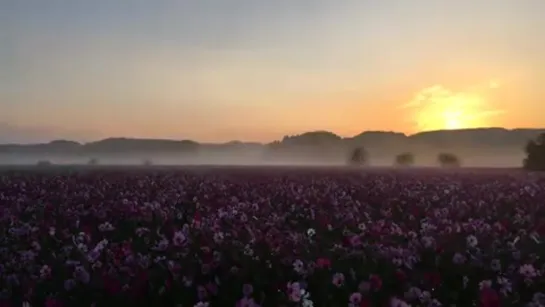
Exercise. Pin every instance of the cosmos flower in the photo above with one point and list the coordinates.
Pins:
(266, 238)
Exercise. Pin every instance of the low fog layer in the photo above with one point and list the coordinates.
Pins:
(258, 158)
(486, 147)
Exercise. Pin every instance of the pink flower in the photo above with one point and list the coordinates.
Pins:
(338, 279)
(489, 298)
(355, 241)
(294, 291)
(376, 282)
(355, 298)
(51, 302)
(212, 288)
(323, 263)
(247, 290)
(247, 302)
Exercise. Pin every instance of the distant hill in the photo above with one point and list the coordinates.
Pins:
(310, 146)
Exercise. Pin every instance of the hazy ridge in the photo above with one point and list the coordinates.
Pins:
(477, 147)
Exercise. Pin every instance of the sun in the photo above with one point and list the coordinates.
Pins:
(438, 108)
(452, 121)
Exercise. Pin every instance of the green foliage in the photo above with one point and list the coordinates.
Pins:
(535, 154)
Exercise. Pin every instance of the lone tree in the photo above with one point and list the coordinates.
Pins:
(358, 157)
(404, 159)
(448, 160)
(147, 162)
(43, 163)
(92, 161)
(535, 154)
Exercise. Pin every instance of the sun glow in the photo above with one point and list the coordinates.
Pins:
(437, 108)
(452, 120)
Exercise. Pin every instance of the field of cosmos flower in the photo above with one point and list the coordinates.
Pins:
(258, 236)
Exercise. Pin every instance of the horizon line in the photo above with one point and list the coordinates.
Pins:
(276, 140)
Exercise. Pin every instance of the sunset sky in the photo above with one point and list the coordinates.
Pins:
(255, 70)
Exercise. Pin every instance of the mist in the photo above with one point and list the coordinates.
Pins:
(262, 157)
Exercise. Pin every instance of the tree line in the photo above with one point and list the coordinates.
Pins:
(534, 161)
(406, 159)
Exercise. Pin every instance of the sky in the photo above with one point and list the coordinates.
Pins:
(256, 70)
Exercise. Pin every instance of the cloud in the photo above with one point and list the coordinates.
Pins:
(437, 107)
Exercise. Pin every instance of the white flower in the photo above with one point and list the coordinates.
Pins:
(187, 281)
(218, 237)
(45, 271)
(485, 284)
(505, 285)
(362, 226)
(83, 248)
(413, 293)
(472, 241)
(141, 231)
(201, 304)
(465, 281)
(305, 297)
(458, 258)
(395, 302)
(106, 227)
(538, 299)
(528, 271)
(36, 246)
(161, 245)
(311, 232)
(179, 238)
(97, 265)
(424, 297)
(427, 241)
(495, 265)
(397, 261)
(298, 266)
(308, 303)
(248, 251)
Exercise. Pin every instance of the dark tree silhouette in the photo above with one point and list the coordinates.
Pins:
(92, 161)
(147, 162)
(43, 163)
(535, 154)
(448, 160)
(358, 157)
(404, 159)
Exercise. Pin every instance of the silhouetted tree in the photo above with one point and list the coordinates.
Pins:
(535, 154)
(43, 163)
(404, 159)
(147, 162)
(448, 160)
(92, 161)
(358, 157)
